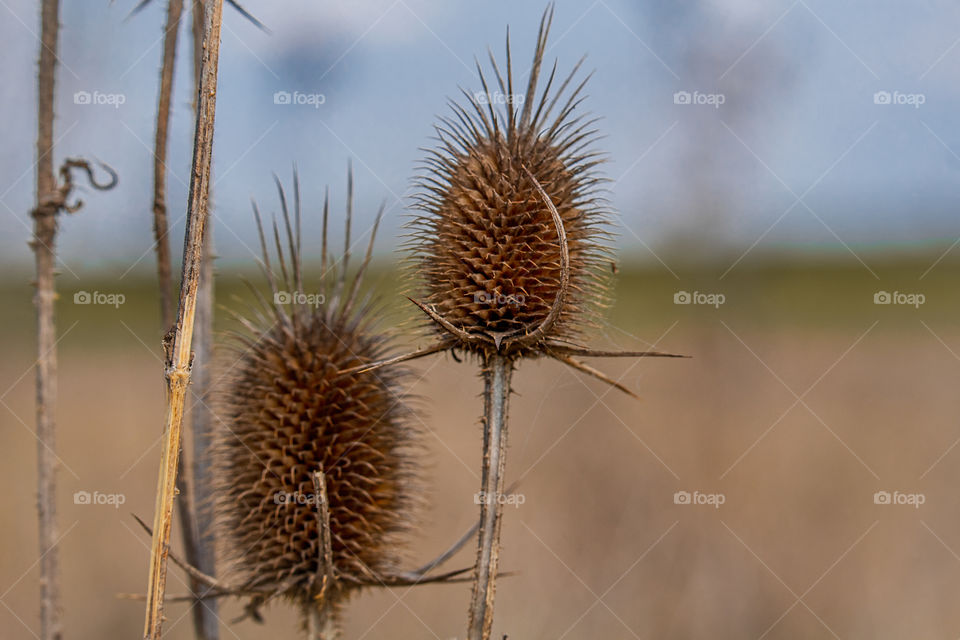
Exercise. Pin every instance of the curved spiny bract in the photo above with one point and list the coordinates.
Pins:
(485, 247)
(286, 413)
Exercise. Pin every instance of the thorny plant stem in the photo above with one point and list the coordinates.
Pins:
(45, 231)
(497, 371)
(205, 617)
(178, 356)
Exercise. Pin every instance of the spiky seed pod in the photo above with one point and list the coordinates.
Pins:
(509, 246)
(287, 413)
(485, 242)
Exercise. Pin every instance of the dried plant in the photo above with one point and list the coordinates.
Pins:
(160, 226)
(316, 475)
(511, 249)
(178, 360)
(205, 614)
(205, 622)
(53, 198)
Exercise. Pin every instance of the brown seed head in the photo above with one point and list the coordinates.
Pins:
(486, 245)
(287, 413)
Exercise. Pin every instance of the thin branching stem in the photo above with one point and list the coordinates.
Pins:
(178, 349)
(497, 372)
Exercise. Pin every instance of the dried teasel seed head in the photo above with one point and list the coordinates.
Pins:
(486, 242)
(286, 413)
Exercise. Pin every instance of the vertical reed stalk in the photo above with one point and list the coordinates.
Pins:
(497, 372)
(45, 231)
(205, 619)
(179, 356)
(187, 505)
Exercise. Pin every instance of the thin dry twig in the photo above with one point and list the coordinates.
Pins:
(193, 572)
(52, 199)
(410, 578)
(45, 229)
(178, 355)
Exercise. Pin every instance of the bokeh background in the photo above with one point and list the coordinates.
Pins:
(826, 178)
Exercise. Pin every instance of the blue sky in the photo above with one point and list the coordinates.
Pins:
(803, 154)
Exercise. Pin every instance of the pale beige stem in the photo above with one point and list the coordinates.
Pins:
(178, 356)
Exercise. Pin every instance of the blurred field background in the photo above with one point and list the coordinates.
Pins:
(599, 547)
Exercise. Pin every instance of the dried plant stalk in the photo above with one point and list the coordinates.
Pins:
(205, 618)
(160, 229)
(188, 507)
(196, 32)
(45, 230)
(497, 372)
(512, 252)
(178, 355)
(321, 620)
(52, 199)
(206, 623)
